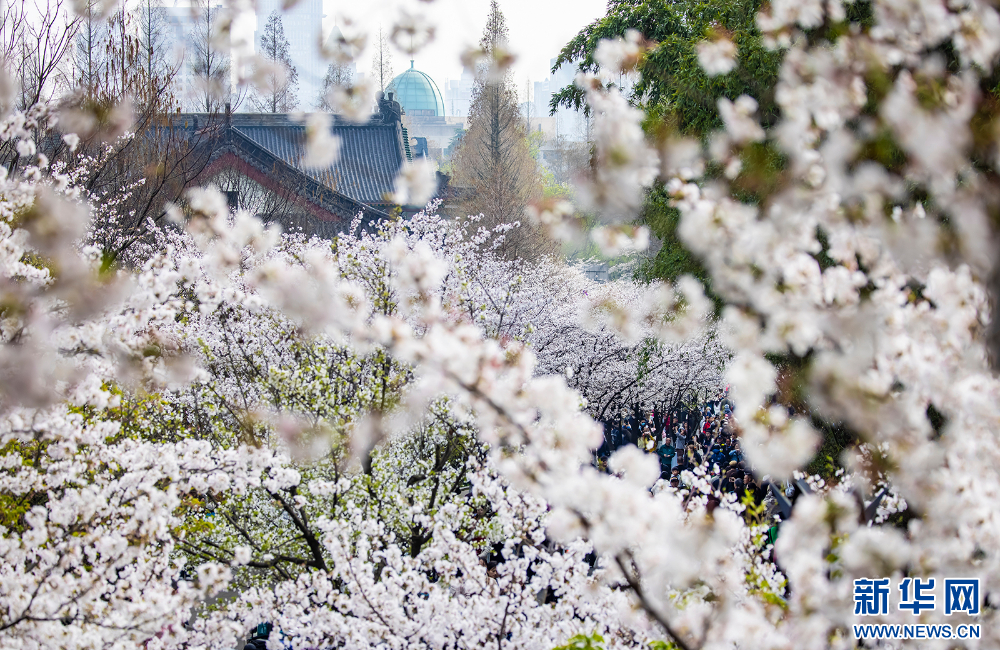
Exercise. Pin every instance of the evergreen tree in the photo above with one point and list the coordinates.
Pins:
(493, 163)
(278, 85)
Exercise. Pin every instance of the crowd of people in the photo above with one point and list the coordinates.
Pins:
(684, 438)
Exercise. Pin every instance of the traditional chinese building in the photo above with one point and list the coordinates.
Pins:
(257, 160)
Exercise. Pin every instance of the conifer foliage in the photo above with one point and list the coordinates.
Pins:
(494, 165)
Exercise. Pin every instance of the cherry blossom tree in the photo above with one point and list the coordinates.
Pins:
(152, 458)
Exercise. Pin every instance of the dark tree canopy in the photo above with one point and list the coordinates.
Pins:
(672, 81)
(674, 91)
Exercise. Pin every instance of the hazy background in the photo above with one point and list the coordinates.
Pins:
(538, 30)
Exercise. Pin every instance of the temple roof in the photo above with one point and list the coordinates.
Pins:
(270, 148)
(370, 154)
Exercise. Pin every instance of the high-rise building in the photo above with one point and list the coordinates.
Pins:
(181, 22)
(541, 97)
(458, 95)
(303, 25)
(569, 123)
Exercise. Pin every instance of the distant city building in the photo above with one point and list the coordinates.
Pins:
(182, 21)
(568, 123)
(458, 94)
(429, 128)
(303, 26)
(540, 99)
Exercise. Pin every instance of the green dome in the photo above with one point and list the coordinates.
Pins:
(417, 93)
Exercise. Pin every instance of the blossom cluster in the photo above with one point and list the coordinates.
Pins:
(862, 270)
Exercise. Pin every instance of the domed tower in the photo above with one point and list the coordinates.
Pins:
(417, 93)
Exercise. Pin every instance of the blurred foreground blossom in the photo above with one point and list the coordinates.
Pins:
(625, 164)
(322, 146)
(416, 183)
(615, 240)
(717, 56)
(344, 45)
(411, 32)
(556, 217)
(353, 102)
(495, 63)
(621, 55)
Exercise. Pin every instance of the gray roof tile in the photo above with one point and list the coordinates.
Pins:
(370, 154)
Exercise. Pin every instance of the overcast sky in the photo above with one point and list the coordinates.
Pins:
(538, 30)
